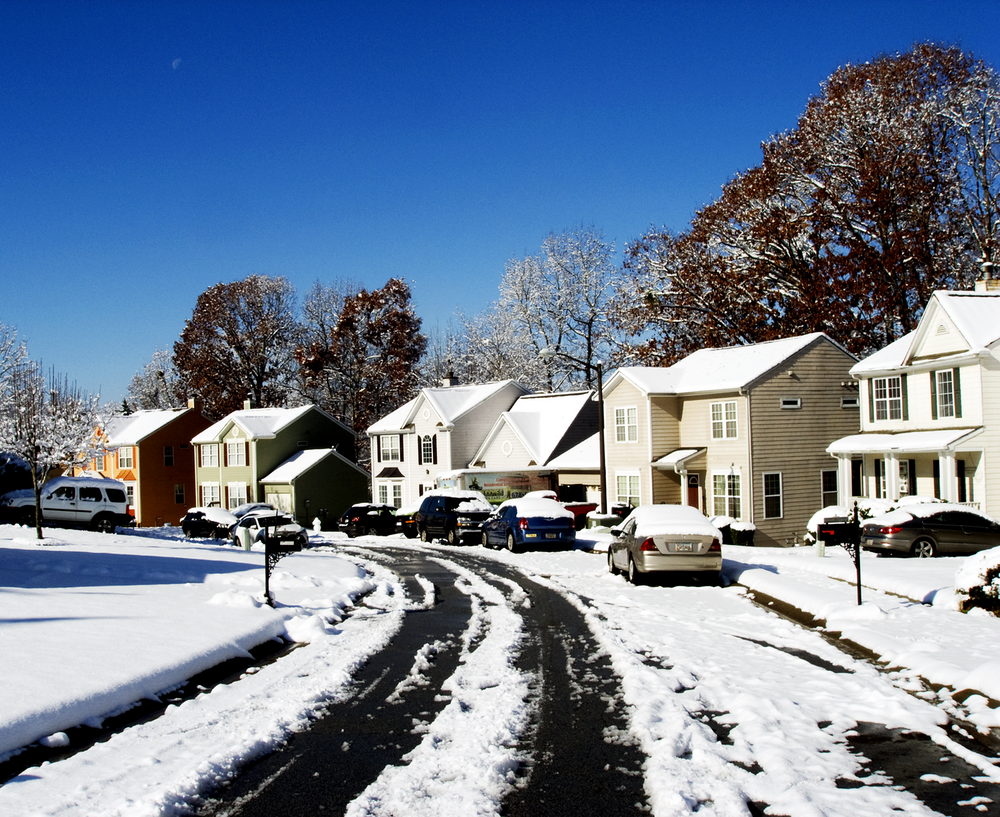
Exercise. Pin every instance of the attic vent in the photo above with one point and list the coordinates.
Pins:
(791, 402)
(942, 329)
(302, 443)
(849, 402)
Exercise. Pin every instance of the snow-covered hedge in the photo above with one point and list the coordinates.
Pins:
(978, 579)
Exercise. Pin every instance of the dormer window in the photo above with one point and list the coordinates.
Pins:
(888, 398)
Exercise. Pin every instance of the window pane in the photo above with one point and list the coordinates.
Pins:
(945, 395)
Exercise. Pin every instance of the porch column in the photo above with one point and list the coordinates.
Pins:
(949, 477)
(891, 476)
(683, 474)
(844, 491)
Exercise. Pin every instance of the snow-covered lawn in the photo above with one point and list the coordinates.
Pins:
(90, 623)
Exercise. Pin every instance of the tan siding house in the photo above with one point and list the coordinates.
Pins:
(739, 432)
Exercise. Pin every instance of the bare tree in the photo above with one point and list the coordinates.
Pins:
(157, 386)
(48, 423)
(12, 354)
(239, 344)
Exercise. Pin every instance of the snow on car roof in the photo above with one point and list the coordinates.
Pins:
(218, 515)
(538, 507)
(920, 511)
(673, 519)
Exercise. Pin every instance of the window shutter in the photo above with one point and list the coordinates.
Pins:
(906, 400)
(934, 413)
(937, 479)
(878, 477)
(871, 400)
(246, 453)
(420, 450)
(434, 448)
(956, 386)
(227, 497)
(400, 447)
(378, 448)
(912, 487)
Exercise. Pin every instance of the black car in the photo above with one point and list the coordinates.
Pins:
(368, 519)
(201, 523)
(930, 530)
(454, 516)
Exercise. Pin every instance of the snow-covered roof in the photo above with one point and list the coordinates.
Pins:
(301, 461)
(976, 316)
(717, 370)
(906, 442)
(677, 457)
(258, 424)
(449, 403)
(133, 428)
(584, 456)
(538, 507)
(539, 421)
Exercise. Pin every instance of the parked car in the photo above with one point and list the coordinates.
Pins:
(451, 514)
(255, 526)
(930, 530)
(406, 519)
(201, 523)
(368, 519)
(242, 510)
(665, 538)
(79, 502)
(530, 521)
(578, 509)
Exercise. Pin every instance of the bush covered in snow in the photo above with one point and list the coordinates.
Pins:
(978, 579)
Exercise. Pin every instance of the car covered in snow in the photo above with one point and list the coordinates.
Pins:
(530, 521)
(77, 502)
(930, 529)
(451, 514)
(202, 523)
(667, 539)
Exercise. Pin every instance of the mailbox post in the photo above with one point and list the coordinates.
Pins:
(275, 549)
(848, 535)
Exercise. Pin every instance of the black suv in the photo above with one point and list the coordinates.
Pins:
(453, 516)
(368, 519)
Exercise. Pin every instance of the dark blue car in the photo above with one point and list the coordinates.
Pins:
(532, 522)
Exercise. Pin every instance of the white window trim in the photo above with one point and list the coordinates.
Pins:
(239, 448)
(217, 494)
(236, 490)
(941, 413)
(208, 448)
(888, 401)
(387, 450)
(124, 463)
(729, 472)
(724, 420)
(628, 474)
(629, 431)
(765, 495)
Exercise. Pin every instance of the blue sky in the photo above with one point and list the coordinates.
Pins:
(153, 149)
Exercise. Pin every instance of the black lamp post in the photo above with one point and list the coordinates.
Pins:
(548, 354)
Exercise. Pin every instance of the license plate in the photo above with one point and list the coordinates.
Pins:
(869, 541)
(551, 535)
(683, 547)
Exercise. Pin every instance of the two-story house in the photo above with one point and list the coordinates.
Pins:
(928, 409)
(235, 456)
(437, 431)
(151, 452)
(739, 432)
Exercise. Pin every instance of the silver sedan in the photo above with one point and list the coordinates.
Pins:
(665, 538)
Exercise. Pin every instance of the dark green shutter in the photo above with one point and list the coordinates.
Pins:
(871, 399)
(934, 395)
(906, 400)
(956, 385)
(400, 447)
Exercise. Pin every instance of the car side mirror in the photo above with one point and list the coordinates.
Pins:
(616, 531)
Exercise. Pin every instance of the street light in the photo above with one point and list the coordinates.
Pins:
(549, 354)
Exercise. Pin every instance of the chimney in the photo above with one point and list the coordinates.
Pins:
(987, 282)
(195, 403)
(449, 380)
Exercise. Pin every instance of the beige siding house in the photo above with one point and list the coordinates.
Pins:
(928, 409)
(739, 432)
(437, 431)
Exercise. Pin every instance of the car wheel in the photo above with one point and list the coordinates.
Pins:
(104, 524)
(370, 532)
(452, 537)
(410, 532)
(423, 535)
(611, 564)
(634, 576)
(27, 517)
(923, 549)
(511, 544)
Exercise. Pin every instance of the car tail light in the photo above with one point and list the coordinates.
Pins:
(893, 529)
(522, 523)
(716, 546)
(648, 545)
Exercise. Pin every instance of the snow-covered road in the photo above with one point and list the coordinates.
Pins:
(735, 710)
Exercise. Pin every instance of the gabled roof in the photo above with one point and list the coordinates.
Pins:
(132, 429)
(584, 456)
(718, 370)
(540, 422)
(974, 315)
(301, 461)
(450, 403)
(259, 424)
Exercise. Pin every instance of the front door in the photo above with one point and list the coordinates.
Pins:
(693, 498)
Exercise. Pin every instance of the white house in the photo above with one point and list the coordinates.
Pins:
(930, 405)
(437, 431)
